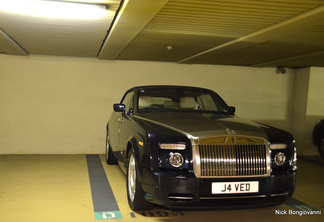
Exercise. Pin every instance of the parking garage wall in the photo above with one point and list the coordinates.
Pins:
(60, 105)
(315, 107)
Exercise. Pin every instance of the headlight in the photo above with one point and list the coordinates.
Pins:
(280, 159)
(176, 159)
(278, 146)
(171, 146)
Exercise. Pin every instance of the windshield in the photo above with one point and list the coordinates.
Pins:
(179, 99)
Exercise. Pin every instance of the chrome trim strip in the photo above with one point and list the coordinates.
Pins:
(239, 176)
(195, 157)
(279, 194)
(239, 197)
(181, 198)
(268, 160)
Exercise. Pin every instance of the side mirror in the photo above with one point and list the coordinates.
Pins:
(232, 109)
(119, 108)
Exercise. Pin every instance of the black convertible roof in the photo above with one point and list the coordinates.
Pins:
(163, 86)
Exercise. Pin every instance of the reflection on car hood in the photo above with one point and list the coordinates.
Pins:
(205, 125)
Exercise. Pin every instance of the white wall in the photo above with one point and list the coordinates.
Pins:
(61, 104)
(315, 107)
(300, 94)
(315, 100)
(308, 107)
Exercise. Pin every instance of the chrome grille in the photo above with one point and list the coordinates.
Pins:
(232, 160)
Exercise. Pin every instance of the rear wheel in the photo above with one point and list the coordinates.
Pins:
(110, 158)
(135, 194)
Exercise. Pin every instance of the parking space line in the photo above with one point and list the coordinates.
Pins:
(104, 202)
(298, 205)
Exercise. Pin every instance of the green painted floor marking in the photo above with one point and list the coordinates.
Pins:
(106, 215)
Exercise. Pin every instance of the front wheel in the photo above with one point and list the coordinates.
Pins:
(135, 194)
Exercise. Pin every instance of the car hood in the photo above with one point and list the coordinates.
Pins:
(200, 125)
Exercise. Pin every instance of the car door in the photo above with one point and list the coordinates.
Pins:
(125, 129)
(114, 130)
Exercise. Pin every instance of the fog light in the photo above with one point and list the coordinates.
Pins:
(293, 161)
(176, 159)
(280, 159)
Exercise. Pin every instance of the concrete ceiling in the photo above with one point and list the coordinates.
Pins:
(257, 33)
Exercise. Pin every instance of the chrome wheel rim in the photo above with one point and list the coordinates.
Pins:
(131, 178)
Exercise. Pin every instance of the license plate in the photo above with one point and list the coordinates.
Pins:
(235, 187)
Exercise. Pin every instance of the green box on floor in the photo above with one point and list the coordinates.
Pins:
(106, 215)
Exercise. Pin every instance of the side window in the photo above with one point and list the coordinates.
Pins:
(128, 101)
(206, 102)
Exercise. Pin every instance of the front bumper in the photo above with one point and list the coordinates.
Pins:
(182, 189)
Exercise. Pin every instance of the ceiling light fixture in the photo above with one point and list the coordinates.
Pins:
(54, 9)
(281, 70)
(169, 47)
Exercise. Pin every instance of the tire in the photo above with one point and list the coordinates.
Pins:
(321, 147)
(110, 157)
(135, 194)
(316, 134)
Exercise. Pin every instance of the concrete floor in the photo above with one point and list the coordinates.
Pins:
(57, 188)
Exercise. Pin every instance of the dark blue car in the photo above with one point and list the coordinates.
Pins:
(184, 147)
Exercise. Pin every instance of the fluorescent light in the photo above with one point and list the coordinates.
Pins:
(54, 9)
